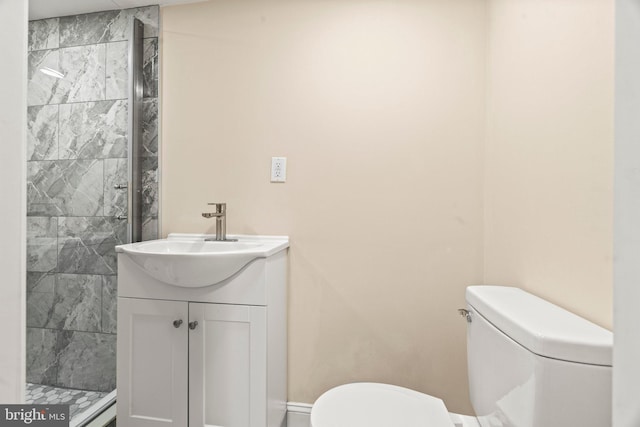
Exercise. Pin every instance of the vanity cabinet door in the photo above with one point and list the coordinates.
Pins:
(227, 366)
(152, 363)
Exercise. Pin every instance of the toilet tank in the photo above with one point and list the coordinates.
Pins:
(534, 364)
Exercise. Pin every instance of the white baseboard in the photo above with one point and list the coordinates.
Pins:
(298, 414)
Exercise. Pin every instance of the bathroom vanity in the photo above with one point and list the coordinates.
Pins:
(198, 352)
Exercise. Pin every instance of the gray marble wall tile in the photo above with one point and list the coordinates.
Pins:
(109, 303)
(90, 28)
(149, 166)
(42, 242)
(149, 15)
(40, 282)
(43, 34)
(150, 200)
(41, 356)
(84, 73)
(87, 360)
(102, 27)
(150, 210)
(39, 308)
(42, 179)
(77, 304)
(150, 126)
(149, 228)
(150, 68)
(86, 244)
(43, 88)
(41, 227)
(115, 200)
(150, 186)
(42, 132)
(117, 70)
(93, 130)
(65, 187)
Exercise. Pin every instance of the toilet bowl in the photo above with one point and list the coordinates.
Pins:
(530, 364)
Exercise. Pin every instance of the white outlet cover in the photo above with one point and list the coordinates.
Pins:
(278, 169)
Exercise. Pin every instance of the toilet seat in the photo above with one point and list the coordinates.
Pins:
(378, 405)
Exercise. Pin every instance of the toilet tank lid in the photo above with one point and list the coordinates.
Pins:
(542, 327)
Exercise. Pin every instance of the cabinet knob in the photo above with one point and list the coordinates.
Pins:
(192, 325)
(177, 323)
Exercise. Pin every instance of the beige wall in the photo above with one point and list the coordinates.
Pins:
(379, 109)
(394, 202)
(549, 154)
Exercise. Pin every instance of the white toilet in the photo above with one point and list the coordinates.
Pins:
(531, 364)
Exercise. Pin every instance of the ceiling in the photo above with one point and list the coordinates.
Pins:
(40, 9)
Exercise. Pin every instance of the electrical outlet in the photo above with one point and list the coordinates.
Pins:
(278, 169)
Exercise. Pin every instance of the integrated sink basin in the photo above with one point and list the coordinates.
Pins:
(196, 247)
(188, 260)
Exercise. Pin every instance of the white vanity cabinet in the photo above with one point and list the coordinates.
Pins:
(203, 356)
(228, 349)
(221, 364)
(153, 363)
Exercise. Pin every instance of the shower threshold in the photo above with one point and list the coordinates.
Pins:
(84, 405)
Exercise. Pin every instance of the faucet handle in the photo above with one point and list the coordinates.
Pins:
(220, 207)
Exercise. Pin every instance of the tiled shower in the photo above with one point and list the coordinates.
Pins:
(77, 153)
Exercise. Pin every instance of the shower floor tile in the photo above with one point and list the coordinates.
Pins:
(78, 400)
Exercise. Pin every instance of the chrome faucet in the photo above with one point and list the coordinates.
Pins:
(220, 215)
